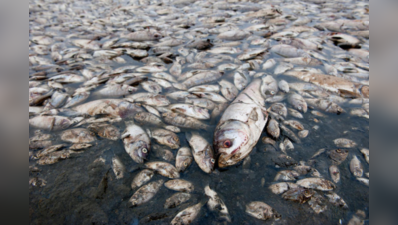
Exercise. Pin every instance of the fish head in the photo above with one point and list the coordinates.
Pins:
(202, 112)
(174, 141)
(231, 142)
(138, 151)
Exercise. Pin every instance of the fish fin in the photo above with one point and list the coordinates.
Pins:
(253, 115)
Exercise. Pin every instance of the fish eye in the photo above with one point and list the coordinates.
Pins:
(156, 36)
(338, 150)
(185, 164)
(227, 143)
(299, 107)
(175, 138)
(144, 150)
(280, 112)
(212, 160)
(272, 92)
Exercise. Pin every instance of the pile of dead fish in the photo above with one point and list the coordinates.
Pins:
(157, 68)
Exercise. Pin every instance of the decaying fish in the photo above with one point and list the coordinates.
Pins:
(216, 204)
(50, 122)
(202, 151)
(298, 194)
(78, 135)
(282, 187)
(273, 128)
(365, 153)
(336, 200)
(187, 215)
(191, 110)
(298, 102)
(141, 178)
(184, 159)
(105, 131)
(316, 183)
(164, 169)
(136, 142)
(176, 200)
(356, 167)
(183, 121)
(165, 137)
(344, 143)
(145, 193)
(261, 211)
(118, 167)
(240, 126)
(334, 173)
(179, 185)
(338, 155)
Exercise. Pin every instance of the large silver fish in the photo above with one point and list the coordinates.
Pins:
(240, 126)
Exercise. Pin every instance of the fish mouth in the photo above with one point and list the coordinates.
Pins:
(225, 160)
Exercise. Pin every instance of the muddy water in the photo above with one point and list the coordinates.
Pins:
(81, 191)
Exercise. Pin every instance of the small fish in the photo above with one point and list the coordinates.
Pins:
(334, 173)
(184, 159)
(183, 121)
(179, 185)
(298, 194)
(136, 142)
(344, 143)
(163, 168)
(228, 90)
(176, 200)
(165, 137)
(188, 215)
(202, 151)
(356, 167)
(216, 204)
(316, 183)
(145, 193)
(298, 102)
(261, 211)
(78, 135)
(282, 187)
(365, 153)
(141, 178)
(118, 167)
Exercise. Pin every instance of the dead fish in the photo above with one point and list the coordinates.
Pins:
(363, 180)
(365, 153)
(334, 173)
(356, 167)
(286, 175)
(149, 99)
(200, 78)
(261, 211)
(184, 159)
(175, 69)
(164, 169)
(80, 146)
(50, 122)
(78, 135)
(336, 200)
(118, 167)
(200, 44)
(233, 35)
(316, 183)
(179, 185)
(269, 86)
(53, 157)
(288, 133)
(325, 105)
(344, 143)
(211, 96)
(228, 90)
(201, 151)
(241, 80)
(303, 133)
(187, 215)
(141, 178)
(145, 35)
(338, 155)
(283, 86)
(279, 108)
(298, 102)
(176, 200)
(317, 203)
(298, 194)
(273, 128)
(294, 124)
(136, 142)
(104, 130)
(148, 118)
(165, 137)
(191, 110)
(205, 88)
(288, 51)
(48, 150)
(145, 193)
(282, 187)
(115, 90)
(216, 204)
(183, 121)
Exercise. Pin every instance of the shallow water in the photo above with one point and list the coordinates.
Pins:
(73, 195)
